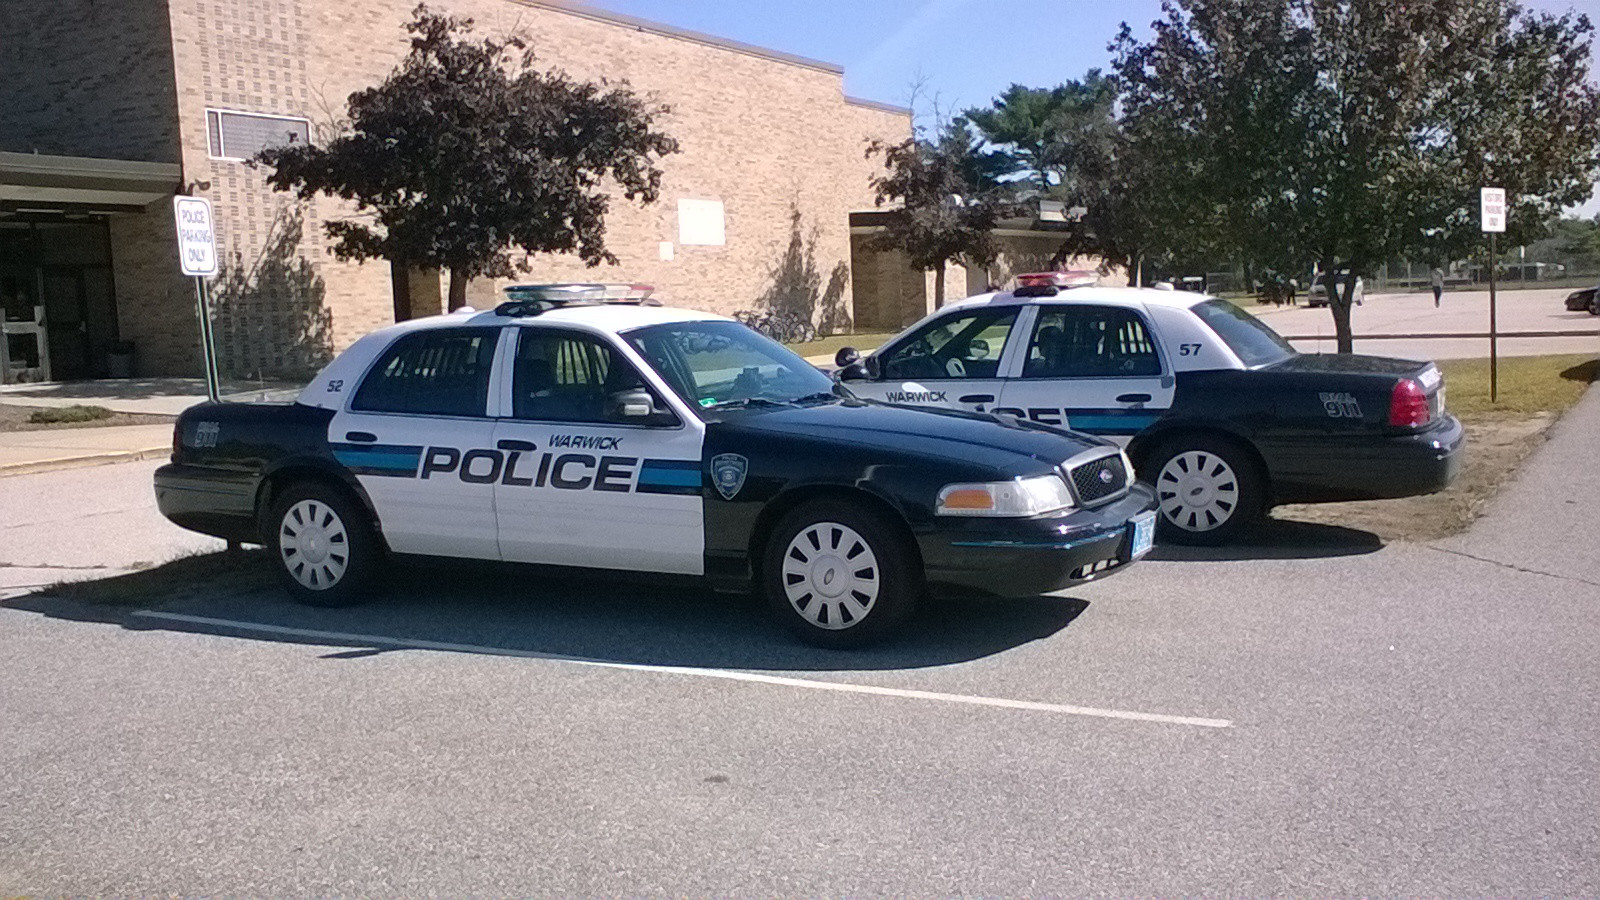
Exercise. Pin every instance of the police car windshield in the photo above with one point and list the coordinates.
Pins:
(1247, 336)
(720, 364)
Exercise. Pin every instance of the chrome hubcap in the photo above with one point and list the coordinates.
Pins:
(1198, 491)
(314, 544)
(830, 575)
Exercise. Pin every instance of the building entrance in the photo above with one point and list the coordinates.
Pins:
(58, 314)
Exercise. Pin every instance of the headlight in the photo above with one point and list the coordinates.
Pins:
(1022, 497)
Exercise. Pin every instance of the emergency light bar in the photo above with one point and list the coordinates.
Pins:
(1070, 278)
(532, 299)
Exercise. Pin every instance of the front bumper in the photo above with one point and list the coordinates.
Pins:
(1028, 557)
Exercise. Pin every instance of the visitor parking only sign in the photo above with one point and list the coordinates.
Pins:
(1492, 209)
(197, 239)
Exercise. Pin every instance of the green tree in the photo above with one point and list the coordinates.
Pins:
(1054, 138)
(1344, 132)
(465, 152)
(949, 198)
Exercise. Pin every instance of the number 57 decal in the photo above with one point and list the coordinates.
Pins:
(1188, 349)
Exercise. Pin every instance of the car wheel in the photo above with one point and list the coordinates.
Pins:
(838, 575)
(1208, 490)
(323, 545)
(1594, 304)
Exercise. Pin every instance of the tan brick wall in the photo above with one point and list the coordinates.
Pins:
(763, 136)
(155, 303)
(87, 78)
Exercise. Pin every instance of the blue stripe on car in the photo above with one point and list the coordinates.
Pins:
(393, 460)
(1111, 421)
(669, 476)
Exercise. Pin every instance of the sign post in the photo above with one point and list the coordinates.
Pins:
(1492, 202)
(197, 257)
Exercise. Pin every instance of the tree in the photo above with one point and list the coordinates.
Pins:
(950, 199)
(1055, 138)
(465, 151)
(1345, 132)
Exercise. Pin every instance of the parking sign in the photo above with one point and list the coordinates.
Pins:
(1493, 209)
(197, 240)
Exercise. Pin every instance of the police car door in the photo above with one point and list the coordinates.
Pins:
(598, 469)
(1093, 368)
(409, 433)
(955, 360)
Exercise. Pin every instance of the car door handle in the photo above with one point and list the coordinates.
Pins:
(1134, 398)
(508, 444)
(977, 398)
(363, 437)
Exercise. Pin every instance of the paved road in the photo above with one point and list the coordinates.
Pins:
(1400, 719)
(1535, 309)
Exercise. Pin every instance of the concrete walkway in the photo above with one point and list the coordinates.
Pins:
(22, 452)
(159, 396)
(1544, 521)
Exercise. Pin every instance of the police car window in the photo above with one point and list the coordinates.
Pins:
(1090, 342)
(1247, 336)
(711, 363)
(561, 376)
(442, 372)
(966, 345)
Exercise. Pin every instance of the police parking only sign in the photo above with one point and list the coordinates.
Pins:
(197, 240)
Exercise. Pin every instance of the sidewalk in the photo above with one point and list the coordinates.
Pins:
(160, 396)
(22, 452)
(1544, 520)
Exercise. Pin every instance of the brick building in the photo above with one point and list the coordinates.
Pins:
(113, 106)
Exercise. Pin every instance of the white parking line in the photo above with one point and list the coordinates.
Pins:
(369, 640)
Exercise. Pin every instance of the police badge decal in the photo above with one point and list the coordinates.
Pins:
(727, 473)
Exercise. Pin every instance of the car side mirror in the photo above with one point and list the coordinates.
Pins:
(638, 407)
(846, 357)
(851, 366)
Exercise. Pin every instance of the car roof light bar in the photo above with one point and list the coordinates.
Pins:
(533, 299)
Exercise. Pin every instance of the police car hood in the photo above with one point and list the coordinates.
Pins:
(1001, 442)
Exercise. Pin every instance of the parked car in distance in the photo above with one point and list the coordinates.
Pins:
(1586, 300)
(1317, 293)
(1216, 410)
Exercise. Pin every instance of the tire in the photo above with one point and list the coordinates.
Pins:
(838, 575)
(1209, 489)
(323, 545)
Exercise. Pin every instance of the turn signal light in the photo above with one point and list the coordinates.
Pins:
(1408, 405)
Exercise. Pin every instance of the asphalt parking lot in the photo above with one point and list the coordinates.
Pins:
(1459, 312)
(1317, 713)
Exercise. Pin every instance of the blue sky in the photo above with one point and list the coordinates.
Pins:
(966, 51)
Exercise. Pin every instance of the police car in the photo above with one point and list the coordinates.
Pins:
(581, 426)
(1215, 410)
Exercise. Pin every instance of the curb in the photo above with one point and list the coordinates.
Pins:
(79, 462)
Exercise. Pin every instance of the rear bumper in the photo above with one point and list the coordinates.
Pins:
(210, 501)
(1028, 557)
(1369, 468)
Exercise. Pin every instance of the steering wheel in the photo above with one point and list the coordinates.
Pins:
(955, 368)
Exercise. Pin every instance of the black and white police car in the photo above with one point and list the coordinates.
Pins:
(1215, 410)
(566, 429)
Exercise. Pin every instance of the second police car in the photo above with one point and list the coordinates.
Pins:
(563, 431)
(1216, 410)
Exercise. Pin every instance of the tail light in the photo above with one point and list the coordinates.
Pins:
(1408, 405)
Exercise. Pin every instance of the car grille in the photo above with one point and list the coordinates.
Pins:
(1098, 479)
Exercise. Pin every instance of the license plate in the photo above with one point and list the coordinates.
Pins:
(1144, 534)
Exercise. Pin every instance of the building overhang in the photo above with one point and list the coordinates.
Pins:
(872, 221)
(32, 182)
